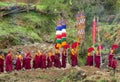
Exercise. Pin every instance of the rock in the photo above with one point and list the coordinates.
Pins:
(78, 76)
(98, 73)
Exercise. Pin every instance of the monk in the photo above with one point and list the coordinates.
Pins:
(18, 64)
(8, 62)
(64, 58)
(74, 61)
(110, 57)
(1, 62)
(89, 59)
(49, 60)
(36, 61)
(43, 61)
(97, 59)
(57, 62)
(28, 61)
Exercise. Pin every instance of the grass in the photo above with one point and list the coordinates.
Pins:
(42, 77)
(4, 4)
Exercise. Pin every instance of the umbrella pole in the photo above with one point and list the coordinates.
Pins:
(99, 43)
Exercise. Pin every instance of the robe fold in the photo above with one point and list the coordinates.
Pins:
(40, 61)
(63, 60)
(52, 57)
(74, 60)
(57, 62)
(36, 62)
(23, 62)
(114, 64)
(43, 61)
(1, 64)
(18, 64)
(89, 61)
(110, 57)
(49, 61)
(28, 63)
(97, 61)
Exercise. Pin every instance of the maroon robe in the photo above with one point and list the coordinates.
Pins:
(23, 62)
(74, 60)
(18, 64)
(110, 57)
(89, 60)
(49, 61)
(8, 62)
(36, 62)
(114, 64)
(57, 62)
(53, 57)
(63, 60)
(43, 63)
(28, 62)
(97, 61)
(40, 61)
(1, 65)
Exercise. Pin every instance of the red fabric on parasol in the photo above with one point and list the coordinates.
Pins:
(56, 47)
(90, 49)
(75, 44)
(100, 47)
(114, 46)
(66, 46)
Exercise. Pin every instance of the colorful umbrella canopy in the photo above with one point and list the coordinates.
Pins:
(66, 46)
(100, 47)
(75, 44)
(90, 49)
(114, 46)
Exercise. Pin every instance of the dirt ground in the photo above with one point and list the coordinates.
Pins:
(71, 74)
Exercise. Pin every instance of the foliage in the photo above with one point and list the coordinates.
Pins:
(36, 25)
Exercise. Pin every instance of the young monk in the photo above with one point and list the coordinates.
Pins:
(110, 57)
(1, 62)
(74, 61)
(8, 62)
(111, 54)
(97, 59)
(57, 62)
(36, 61)
(43, 59)
(28, 61)
(49, 60)
(64, 58)
(18, 64)
(89, 59)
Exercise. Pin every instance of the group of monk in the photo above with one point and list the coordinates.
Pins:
(40, 60)
(94, 59)
(46, 60)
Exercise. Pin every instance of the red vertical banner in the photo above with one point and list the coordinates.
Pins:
(94, 31)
